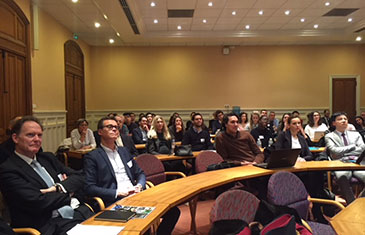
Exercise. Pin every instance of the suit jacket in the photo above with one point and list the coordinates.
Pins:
(21, 185)
(100, 176)
(284, 142)
(137, 136)
(335, 144)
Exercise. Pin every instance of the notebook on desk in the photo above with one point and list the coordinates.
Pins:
(116, 215)
(318, 135)
(281, 158)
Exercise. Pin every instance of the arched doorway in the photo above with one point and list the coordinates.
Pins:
(74, 84)
(15, 78)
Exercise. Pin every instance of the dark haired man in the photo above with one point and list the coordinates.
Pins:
(234, 145)
(217, 123)
(197, 136)
(112, 173)
(262, 132)
(345, 145)
(37, 187)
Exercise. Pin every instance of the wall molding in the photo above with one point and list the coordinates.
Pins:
(54, 124)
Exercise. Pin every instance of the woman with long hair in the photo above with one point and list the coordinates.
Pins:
(314, 124)
(243, 125)
(254, 121)
(283, 125)
(177, 129)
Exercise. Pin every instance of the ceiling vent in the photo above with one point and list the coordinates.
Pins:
(180, 13)
(341, 11)
(129, 16)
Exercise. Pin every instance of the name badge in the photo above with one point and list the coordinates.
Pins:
(261, 137)
(202, 140)
(130, 164)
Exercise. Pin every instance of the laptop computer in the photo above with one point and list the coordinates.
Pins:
(360, 158)
(281, 158)
(318, 135)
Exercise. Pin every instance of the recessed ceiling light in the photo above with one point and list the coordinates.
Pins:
(287, 12)
(261, 12)
(155, 21)
(153, 4)
(302, 19)
(179, 27)
(210, 4)
(105, 16)
(247, 26)
(234, 13)
(118, 34)
(315, 26)
(349, 20)
(327, 4)
(75, 1)
(204, 21)
(97, 24)
(358, 38)
(111, 41)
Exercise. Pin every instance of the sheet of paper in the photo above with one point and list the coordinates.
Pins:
(94, 229)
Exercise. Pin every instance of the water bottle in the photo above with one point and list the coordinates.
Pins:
(259, 142)
(173, 146)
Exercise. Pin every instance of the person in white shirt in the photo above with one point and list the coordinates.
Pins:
(82, 137)
(314, 124)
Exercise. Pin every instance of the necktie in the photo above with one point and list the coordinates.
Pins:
(66, 211)
(344, 139)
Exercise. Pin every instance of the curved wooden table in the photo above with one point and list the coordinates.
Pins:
(173, 193)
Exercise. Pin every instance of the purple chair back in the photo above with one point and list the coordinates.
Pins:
(286, 189)
(234, 204)
(206, 158)
(152, 167)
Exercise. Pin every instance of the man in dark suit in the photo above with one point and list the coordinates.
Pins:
(112, 173)
(37, 188)
(139, 134)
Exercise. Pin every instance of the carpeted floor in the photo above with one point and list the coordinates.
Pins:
(202, 218)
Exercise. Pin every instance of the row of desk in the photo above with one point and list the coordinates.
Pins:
(173, 193)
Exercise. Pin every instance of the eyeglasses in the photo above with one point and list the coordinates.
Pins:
(111, 127)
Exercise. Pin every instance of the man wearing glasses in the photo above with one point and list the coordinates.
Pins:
(112, 173)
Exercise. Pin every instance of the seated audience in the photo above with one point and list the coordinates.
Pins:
(363, 114)
(149, 117)
(283, 125)
(293, 139)
(345, 145)
(217, 124)
(326, 118)
(263, 112)
(177, 129)
(8, 146)
(120, 120)
(314, 124)
(295, 113)
(172, 118)
(262, 133)
(189, 123)
(159, 139)
(254, 121)
(234, 145)
(197, 136)
(243, 124)
(82, 137)
(139, 134)
(129, 122)
(38, 189)
(360, 126)
(111, 173)
(273, 122)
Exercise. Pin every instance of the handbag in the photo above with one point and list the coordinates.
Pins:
(183, 150)
(222, 165)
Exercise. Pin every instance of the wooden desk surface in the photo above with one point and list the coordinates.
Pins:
(165, 157)
(173, 193)
(351, 219)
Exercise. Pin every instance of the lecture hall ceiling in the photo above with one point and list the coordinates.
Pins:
(221, 22)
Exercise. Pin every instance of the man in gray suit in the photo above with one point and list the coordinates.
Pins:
(346, 146)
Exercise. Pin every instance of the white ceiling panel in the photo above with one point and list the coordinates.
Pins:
(221, 27)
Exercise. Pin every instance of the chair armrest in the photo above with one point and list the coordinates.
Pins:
(26, 230)
(306, 225)
(175, 173)
(65, 157)
(100, 202)
(326, 201)
(149, 184)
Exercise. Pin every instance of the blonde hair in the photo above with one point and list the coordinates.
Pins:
(152, 134)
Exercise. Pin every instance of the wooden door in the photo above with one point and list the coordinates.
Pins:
(15, 81)
(344, 96)
(74, 84)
